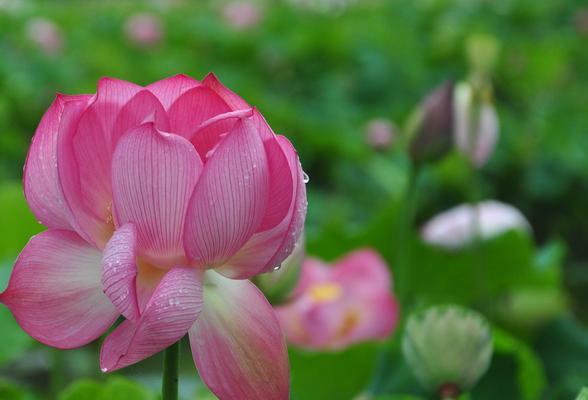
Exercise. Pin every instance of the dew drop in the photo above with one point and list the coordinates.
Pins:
(305, 177)
(104, 369)
(277, 267)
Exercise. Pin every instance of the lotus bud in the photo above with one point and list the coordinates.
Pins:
(380, 133)
(431, 126)
(476, 124)
(279, 283)
(581, 21)
(482, 53)
(46, 35)
(144, 29)
(448, 348)
(242, 14)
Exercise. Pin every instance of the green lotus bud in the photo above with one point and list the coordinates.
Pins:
(482, 53)
(448, 348)
(430, 128)
(278, 284)
(583, 395)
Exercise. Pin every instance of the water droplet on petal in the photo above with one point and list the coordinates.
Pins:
(305, 177)
(277, 267)
(104, 369)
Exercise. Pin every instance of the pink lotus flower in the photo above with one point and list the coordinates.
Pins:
(456, 228)
(160, 202)
(335, 306)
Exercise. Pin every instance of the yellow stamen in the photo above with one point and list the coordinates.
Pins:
(325, 292)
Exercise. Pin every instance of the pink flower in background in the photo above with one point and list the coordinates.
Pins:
(457, 227)
(160, 202)
(242, 14)
(380, 133)
(45, 34)
(144, 29)
(337, 305)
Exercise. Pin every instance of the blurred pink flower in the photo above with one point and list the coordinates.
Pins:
(335, 306)
(45, 34)
(144, 29)
(160, 202)
(581, 21)
(476, 125)
(242, 14)
(456, 228)
(380, 133)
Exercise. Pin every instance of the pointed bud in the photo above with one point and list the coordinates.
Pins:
(432, 126)
(380, 133)
(278, 284)
(476, 124)
(448, 348)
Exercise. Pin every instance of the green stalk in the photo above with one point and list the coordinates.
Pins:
(171, 363)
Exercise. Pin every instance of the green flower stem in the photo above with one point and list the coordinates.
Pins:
(171, 363)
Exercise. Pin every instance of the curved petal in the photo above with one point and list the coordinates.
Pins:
(84, 155)
(194, 107)
(153, 176)
(171, 311)
(169, 89)
(55, 292)
(230, 198)
(229, 97)
(237, 343)
(119, 271)
(41, 181)
(266, 250)
(363, 270)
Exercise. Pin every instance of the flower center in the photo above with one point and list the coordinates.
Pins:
(325, 292)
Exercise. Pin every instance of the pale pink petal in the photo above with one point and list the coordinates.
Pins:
(171, 311)
(314, 271)
(377, 317)
(230, 198)
(230, 98)
(194, 107)
(153, 176)
(237, 343)
(41, 181)
(55, 292)
(267, 249)
(84, 155)
(143, 107)
(119, 271)
(209, 133)
(169, 89)
(363, 270)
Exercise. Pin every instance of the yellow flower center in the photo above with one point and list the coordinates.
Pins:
(325, 292)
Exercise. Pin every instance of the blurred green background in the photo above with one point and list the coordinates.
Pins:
(320, 71)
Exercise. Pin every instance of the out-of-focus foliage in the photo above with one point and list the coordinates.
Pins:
(319, 75)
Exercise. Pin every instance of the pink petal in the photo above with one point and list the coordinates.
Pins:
(119, 271)
(363, 270)
(230, 198)
(172, 310)
(84, 155)
(233, 100)
(55, 292)
(143, 107)
(169, 89)
(153, 176)
(237, 343)
(41, 181)
(266, 250)
(193, 108)
(207, 136)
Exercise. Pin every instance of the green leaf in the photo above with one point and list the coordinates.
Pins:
(11, 392)
(115, 388)
(583, 395)
(84, 389)
(337, 375)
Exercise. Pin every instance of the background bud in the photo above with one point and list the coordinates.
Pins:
(277, 285)
(380, 133)
(482, 53)
(144, 29)
(45, 34)
(432, 125)
(447, 347)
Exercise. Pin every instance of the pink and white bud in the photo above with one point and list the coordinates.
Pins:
(456, 228)
(144, 29)
(45, 34)
(380, 133)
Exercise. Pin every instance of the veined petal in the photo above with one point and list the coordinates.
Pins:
(153, 176)
(55, 292)
(41, 181)
(119, 271)
(169, 89)
(229, 97)
(171, 311)
(230, 198)
(267, 249)
(237, 343)
(193, 107)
